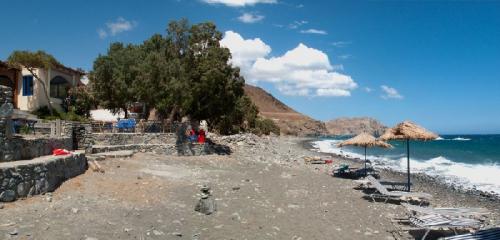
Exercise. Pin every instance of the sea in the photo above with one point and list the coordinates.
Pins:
(470, 161)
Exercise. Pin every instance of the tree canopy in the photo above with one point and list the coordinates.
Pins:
(182, 73)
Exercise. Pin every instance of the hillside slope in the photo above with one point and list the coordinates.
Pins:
(290, 121)
(353, 126)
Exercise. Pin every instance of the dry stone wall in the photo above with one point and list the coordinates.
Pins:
(33, 147)
(6, 108)
(21, 179)
(131, 138)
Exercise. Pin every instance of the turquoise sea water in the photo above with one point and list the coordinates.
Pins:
(472, 161)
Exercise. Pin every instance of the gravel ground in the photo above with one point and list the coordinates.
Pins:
(263, 190)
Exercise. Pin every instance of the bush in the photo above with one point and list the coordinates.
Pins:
(44, 113)
(81, 101)
(266, 126)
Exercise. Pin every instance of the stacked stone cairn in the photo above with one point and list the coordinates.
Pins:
(206, 204)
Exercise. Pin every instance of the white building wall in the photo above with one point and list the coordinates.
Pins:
(38, 99)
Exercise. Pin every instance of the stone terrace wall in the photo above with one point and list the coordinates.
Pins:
(33, 147)
(21, 179)
(132, 138)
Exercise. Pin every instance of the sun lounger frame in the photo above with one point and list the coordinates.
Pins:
(395, 195)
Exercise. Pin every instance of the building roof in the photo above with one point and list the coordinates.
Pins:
(58, 67)
(5, 65)
(71, 70)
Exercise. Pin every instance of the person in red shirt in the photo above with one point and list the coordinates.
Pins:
(201, 136)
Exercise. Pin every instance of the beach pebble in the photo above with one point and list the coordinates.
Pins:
(178, 234)
(219, 226)
(14, 232)
(158, 233)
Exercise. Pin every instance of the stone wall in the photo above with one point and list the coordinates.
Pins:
(131, 138)
(21, 179)
(165, 149)
(6, 109)
(28, 147)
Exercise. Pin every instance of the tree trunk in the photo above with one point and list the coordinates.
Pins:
(172, 114)
(126, 112)
(44, 89)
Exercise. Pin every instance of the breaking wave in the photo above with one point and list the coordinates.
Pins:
(481, 176)
(453, 139)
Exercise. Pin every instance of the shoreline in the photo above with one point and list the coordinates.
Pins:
(421, 181)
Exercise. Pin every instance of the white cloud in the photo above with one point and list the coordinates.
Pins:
(250, 18)
(239, 3)
(102, 33)
(340, 44)
(345, 56)
(314, 31)
(390, 92)
(302, 71)
(368, 90)
(244, 51)
(297, 24)
(118, 26)
(333, 92)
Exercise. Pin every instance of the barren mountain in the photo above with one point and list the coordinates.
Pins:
(353, 126)
(290, 121)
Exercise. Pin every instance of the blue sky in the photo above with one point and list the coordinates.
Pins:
(439, 62)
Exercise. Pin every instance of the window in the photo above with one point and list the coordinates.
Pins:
(27, 85)
(59, 87)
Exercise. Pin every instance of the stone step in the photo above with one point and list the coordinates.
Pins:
(111, 154)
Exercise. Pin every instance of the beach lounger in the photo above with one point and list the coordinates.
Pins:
(439, 222)
(452, 212)
(390, 185)
(344, 171)
(383, 193)
(486, 234)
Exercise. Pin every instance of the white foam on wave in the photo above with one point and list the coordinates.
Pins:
(453, 139)
(461, 139)
(484, 177)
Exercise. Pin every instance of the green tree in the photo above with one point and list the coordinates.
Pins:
(32, 60)
(113, 77)
(184, 73)
(214, 85)
(82, 100)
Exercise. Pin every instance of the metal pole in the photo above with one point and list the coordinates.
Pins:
(365, 163)
(408, 160)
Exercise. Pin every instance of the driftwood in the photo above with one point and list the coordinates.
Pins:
(96, 167)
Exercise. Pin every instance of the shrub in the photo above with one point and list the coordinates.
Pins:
(81, 101)
(44, 113)
(266, 126)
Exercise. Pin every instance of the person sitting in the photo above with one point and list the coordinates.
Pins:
(193, 136)
(201, 136)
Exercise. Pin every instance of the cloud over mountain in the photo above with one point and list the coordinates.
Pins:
(301, 71)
